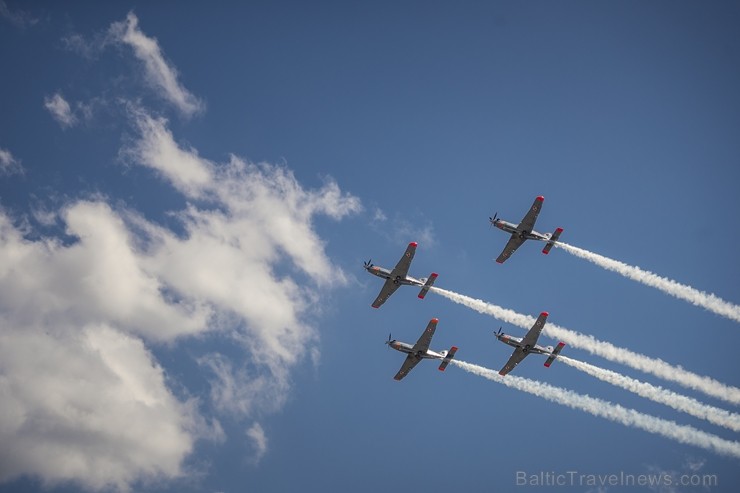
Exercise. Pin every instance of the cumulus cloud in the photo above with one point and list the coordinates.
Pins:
(87, 405)
(100, 278)
(251, 220)
(60, 110)
(161, 74)
(83, 397)
(9, 165)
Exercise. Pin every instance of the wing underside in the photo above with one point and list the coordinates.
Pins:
(530, 218)
(408, 364)
(514, 242)
(422, 345)
(514, 360)
(389, 287)
(534, 333)
(402, 267)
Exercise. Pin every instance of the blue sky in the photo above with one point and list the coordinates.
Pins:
(187, 196)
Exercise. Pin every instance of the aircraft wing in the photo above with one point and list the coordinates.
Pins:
(515, 359)
(402, 267)
(426, 337)
(527, 223)
(514, 242)
(408, 364)
(389, 287)
(534, 333)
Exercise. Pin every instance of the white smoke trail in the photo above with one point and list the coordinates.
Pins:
(672, 399)
(709, 301)
(654, 366)
(613, 412)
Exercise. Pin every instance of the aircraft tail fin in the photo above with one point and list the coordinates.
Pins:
(427, 285)
(552, 240)
(554, 354)
(448, 358)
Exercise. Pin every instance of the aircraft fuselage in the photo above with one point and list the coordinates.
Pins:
(517, 342)
(384, 273)
(512, 228)
(409, 349)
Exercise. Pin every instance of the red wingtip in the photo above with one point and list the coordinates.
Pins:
(559, 230)
(547, 365)
(499, 262)
(453, 348)
(375, 306)
(546, 252)
(413, 244)
(435, 320)
(545, 314)
(434, 275)
(540, 198)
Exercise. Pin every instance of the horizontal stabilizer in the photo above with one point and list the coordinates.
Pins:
(447, 359)
(552, 240)
(554, 354)
(427, 285)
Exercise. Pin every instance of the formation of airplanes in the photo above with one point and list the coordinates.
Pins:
(398, 276)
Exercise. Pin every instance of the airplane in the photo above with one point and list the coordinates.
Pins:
(528, 344)
(420, 351)
(398, 276)
(524, 231)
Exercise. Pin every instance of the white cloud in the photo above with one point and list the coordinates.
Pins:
(98, 279)
(254, 219)
(90, 406)
(379, 216)
(44, 216)
(19, 18)
(259, 441)
(9, 165)
(157, 149)
(89, 49)
(83, 398)
(60, 110)
(403, 229)
(239, 393)
(160, 74)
